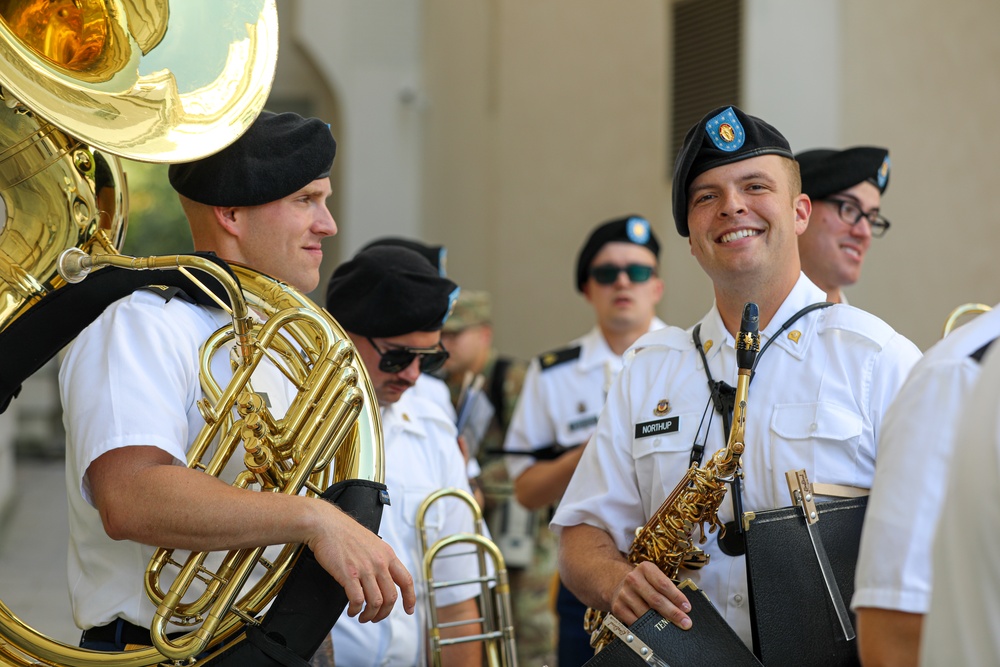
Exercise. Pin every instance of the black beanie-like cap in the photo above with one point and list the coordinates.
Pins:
(278, 155)
(388, 291)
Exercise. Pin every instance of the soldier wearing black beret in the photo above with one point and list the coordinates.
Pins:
(616, 271)
(260, 202)
(393, 303)
(846, 189)
(823, 382)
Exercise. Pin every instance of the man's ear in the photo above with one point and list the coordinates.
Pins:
(228, 219)
(803, 209)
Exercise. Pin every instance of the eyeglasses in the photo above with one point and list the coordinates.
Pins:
(607, 274)
(852, 214)
(396, 359)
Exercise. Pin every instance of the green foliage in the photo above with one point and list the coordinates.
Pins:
(156, 222)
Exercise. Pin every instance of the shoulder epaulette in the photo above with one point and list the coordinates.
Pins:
(860, 322)
(167, 292)
(978, 354)
(556, 357)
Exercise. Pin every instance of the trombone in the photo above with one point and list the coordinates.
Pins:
(494, 601)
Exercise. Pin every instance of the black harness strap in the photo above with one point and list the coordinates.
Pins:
(496, 394)
(38, 335)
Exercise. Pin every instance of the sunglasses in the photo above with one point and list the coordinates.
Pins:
(607, 274)
(396, 359)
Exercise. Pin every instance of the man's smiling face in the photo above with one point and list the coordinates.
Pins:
(744, 220)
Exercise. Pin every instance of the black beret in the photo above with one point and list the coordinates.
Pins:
(629, 229)
(389, 291)
(725, 135)
(826, 171)
(278, 155)
(437, 255)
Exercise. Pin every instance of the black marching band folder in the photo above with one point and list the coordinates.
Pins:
(709, 643)
(800, 570)
(800, 566)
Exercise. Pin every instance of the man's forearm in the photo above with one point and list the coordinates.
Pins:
(590, 565)
(144, 500)
(545, 482)
(469, 653)
(888, 638)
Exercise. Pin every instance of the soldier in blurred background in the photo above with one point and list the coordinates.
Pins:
(484, 387)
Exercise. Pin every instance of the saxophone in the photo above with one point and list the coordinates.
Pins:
(667, 539)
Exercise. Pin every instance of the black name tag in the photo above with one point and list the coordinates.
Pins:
(583, 423)
(668, 425)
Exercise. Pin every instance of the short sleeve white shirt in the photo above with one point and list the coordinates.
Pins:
(560, 404)
(817, 402)
(422, 456)
(894, 564)
(131, 378)
(964, 612)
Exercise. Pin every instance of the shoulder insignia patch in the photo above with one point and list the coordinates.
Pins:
(556, 357)
(168, 293)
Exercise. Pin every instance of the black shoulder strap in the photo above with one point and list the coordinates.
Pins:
(496, 394)
(37, 335)
(978, 354)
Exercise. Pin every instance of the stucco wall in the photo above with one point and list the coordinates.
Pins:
(506, 129)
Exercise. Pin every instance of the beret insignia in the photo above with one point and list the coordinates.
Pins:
(883, 173)
(726, 131)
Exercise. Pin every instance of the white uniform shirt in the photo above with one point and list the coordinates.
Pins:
(436, 391)
(421, 456)
(817, 402)
(964, 614)
(560, 403)
(131, 378)
(894, 565)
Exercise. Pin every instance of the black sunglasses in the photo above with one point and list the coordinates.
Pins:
(396, 359)
(607, 274)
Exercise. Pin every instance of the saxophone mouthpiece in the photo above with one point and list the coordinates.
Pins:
(748, 342)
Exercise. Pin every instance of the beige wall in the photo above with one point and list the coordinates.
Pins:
(927, 84)
(545, 118)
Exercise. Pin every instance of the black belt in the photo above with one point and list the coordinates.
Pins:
(130, 633)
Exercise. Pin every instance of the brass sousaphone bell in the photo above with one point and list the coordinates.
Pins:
(84, 81)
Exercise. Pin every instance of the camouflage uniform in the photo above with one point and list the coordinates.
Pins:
(531, 582)
(324, 654)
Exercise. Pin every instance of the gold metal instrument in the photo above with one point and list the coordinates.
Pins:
(495, 606)
(83, 82)
(960, 312)
(667, 539)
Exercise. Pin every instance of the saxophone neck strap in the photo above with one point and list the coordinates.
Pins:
(723, 397)
(723, 394)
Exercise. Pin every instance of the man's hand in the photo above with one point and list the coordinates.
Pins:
(599, 575)
(646, 587)
(365, 566)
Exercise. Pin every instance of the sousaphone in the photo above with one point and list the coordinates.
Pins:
(84, 82)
